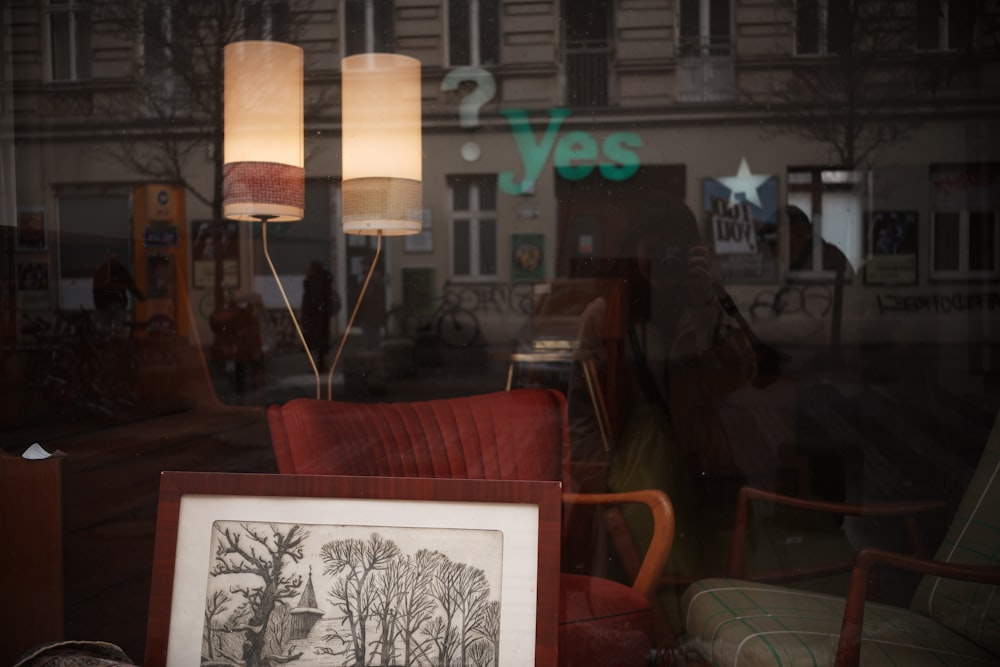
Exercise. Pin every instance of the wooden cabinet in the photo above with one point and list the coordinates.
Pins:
(31, 554)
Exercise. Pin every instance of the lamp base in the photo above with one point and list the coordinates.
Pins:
(391, 206)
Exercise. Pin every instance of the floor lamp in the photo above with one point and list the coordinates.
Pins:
(381, 157)
(263, 155)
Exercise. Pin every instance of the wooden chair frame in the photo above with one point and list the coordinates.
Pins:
(849, 643)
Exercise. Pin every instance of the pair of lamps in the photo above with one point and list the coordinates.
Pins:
(264, 158)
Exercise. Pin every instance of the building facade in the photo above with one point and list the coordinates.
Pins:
(545, 122)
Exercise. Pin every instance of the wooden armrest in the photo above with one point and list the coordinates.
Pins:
(849, 644)
(663, 529)
(907, 510)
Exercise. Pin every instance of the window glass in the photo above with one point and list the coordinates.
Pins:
(474, 243)
(62, 64)
(69, 36)
(368, 26)
(982, 241)
(947, 242)
(739, 244)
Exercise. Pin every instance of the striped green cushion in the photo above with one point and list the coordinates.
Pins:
(973, 537)
(734, 622)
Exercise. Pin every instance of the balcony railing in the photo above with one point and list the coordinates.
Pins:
(588, 68)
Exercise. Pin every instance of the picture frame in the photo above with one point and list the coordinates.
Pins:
(33, 284)
(892, 244)
(210, 240)
(31, 233)
(495, 541)
(527, 257)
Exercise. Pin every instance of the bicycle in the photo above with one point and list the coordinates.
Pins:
(89, 370)
(450, 321)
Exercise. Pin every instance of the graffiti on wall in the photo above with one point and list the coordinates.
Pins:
(937, 303)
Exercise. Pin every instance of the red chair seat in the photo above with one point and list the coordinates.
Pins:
(602, 622)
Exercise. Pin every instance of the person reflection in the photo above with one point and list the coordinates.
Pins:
(320, 302)
(685, 357)
(802, 244)
(111, 287)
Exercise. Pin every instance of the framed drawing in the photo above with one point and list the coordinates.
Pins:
(262, 569)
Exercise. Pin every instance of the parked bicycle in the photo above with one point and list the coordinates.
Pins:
(89, 370)
(450, 321)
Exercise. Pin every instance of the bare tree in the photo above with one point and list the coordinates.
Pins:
(850, 97)
(387, 595)
(417, 605)
(215, 606)
(487, 626)
(460, 590)
(472, 592)
(174, 105)
(358, 564)
(248, 550)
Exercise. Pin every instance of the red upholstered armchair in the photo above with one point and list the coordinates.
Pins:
(512, 435)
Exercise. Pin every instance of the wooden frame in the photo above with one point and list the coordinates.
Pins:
(498, 542)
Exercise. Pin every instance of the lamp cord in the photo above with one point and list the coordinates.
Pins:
(354, 314)
(291, 311)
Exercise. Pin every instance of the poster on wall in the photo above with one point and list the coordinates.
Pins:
(740, 215)
(31, 229)
(892, 248)
(211, 242)
(527, 257)
(33, 285)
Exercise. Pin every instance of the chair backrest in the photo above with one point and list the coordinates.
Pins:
(510, 435)
(971, 609)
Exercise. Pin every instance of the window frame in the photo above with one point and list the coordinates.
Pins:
(79, 56)
(824, 181)
(706, 45)
(376, 12)
(965, 249)
(824, 35)
(273, 27)
(945, 38)
(473, 33)
(475, 215)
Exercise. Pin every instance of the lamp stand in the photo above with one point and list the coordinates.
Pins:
(354, 314)
(267, 255)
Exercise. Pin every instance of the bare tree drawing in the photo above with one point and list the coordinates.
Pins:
(417, 605)
(265, 555)
(216, 605)
(353, 594)
(400, 609)
(487, 626)
(469, 592)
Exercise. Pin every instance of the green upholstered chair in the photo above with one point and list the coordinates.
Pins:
(954, 617)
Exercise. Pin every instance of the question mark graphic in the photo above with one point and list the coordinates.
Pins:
(468, 110)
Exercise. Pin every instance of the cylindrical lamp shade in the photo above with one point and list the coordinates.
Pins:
(264, 171)
(382, 154)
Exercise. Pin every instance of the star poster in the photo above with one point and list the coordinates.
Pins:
(741, 223)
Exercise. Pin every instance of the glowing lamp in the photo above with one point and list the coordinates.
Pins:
(264, 167)
(382, 155)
